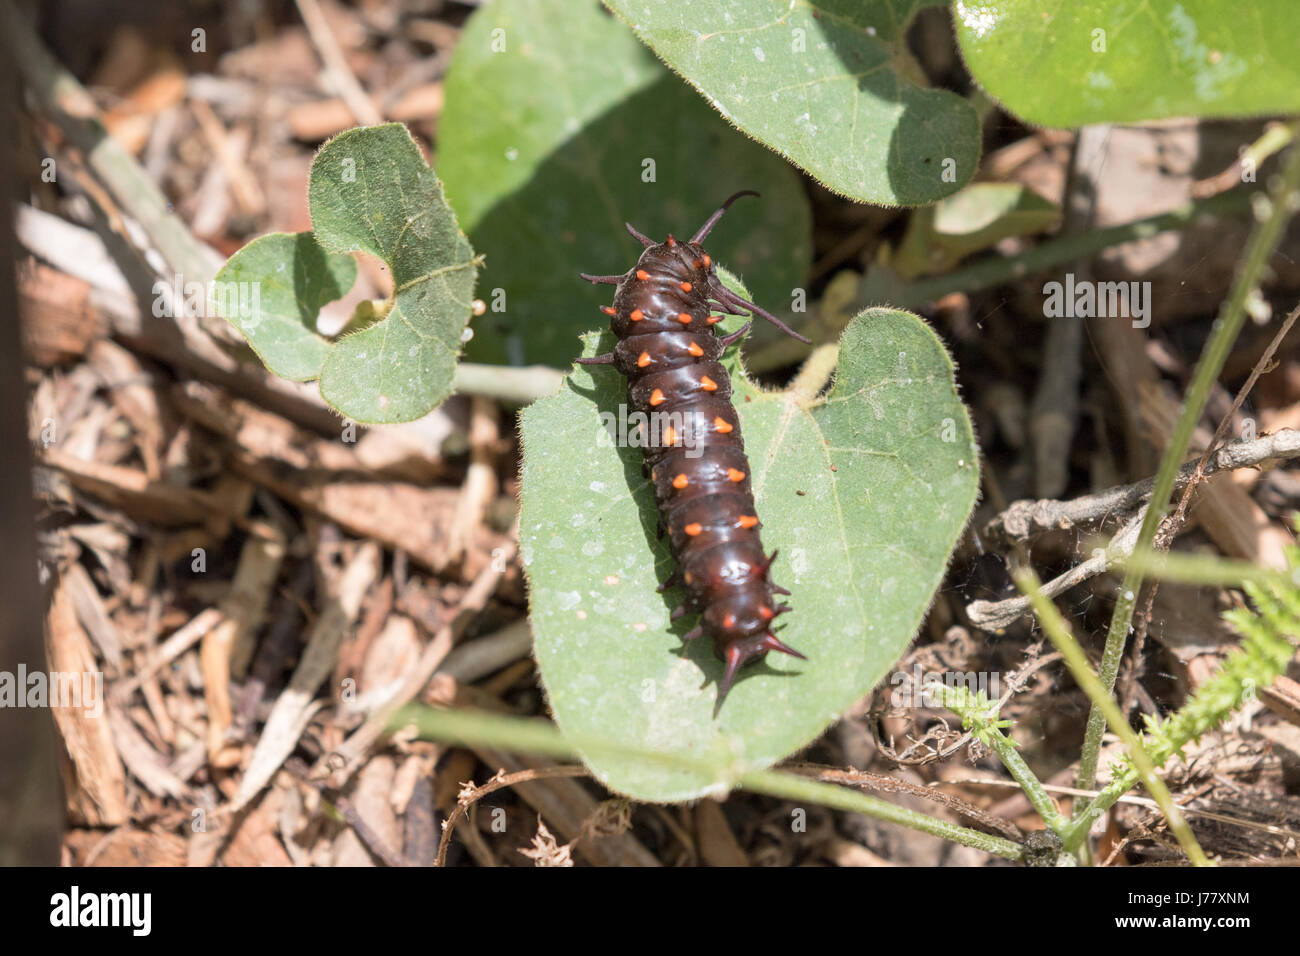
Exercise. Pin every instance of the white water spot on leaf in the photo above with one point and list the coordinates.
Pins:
(567, 600)
(979, 18)
(1210, 69)
(759, 54)
(877, 406)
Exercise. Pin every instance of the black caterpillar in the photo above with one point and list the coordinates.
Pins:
(667, 350)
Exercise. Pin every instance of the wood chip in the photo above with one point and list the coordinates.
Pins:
(93, 777)
(291, 710)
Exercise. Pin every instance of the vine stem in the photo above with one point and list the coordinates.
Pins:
(1279, 206)
(506, 383)
(881, 286)
(1059, 633)
(981, 718)
(537, 736)
(1041, 800)
(791, 787)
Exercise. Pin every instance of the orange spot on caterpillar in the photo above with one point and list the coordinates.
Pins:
(670, 435)
(694, 349)
(707, 261)
(688, 578)
(699, 263)
(736, 475)
(670, 240)
(714, 319)
(643, 360)
(686, 287)
(684, 318)
(747, 521)
(657, 397)
(729, 621)
(637, 315)
(693, 528)
(722, 425)
(654, 474)
(708, 384)
(681, 481)
(642, 274)
(607, 309)
(767, 613)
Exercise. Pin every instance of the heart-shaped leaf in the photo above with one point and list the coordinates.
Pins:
(1122, 61)
(559, 127)
(864, 490)
(370, 191)
(829, 84)
(272, 290)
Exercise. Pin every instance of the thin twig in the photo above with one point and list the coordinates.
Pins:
(880, 285)
(884, 783)
(1015, 683)
(1024, 518)
(471, 795)
(372, 840)
(1173, 523)
(996, 615)
(1060, 634)
(1130, 798)
(1054, 411)
(348, 757)
(340, 74)
(1274, 213)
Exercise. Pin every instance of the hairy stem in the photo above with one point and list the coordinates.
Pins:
(1263, 242)
(536, 736)
(1059, 632)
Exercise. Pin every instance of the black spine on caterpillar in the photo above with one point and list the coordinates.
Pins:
(694, 450)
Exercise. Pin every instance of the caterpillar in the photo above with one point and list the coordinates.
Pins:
(694, 452)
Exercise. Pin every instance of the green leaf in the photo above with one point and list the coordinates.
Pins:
(1123, 61)
(829, 84)
(976, 218)
(556, 117)
(371, 192)
(864, 490)
(272, 290)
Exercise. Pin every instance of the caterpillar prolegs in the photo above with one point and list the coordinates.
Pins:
(662, 317)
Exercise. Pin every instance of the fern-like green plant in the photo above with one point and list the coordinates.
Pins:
(1268, 628)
